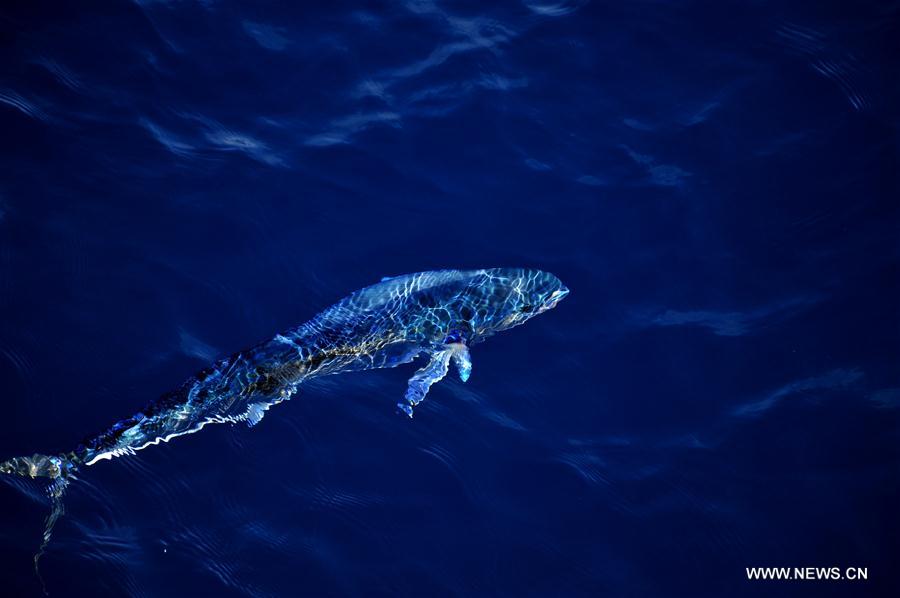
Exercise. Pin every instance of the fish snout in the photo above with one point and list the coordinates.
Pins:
(556, 296)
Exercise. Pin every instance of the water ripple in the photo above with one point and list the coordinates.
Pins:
(828, 60)
(27, 107)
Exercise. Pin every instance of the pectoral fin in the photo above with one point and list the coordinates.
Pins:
(462, 360)
(422, 380)
(434, 371)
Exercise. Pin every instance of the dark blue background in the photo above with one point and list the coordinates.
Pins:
(715, 181)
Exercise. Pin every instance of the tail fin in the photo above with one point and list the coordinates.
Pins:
(59, 469)
(41, 466)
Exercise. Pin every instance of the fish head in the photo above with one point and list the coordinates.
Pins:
(502, 298)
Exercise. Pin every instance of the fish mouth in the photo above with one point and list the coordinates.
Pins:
(559, 294)
(555, 297)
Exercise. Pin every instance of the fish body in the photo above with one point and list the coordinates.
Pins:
(439, 314)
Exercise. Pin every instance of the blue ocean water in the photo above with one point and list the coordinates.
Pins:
(716, 182)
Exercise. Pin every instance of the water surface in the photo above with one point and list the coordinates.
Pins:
(716, 183)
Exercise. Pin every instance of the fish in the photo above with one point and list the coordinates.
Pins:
(439, 314)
